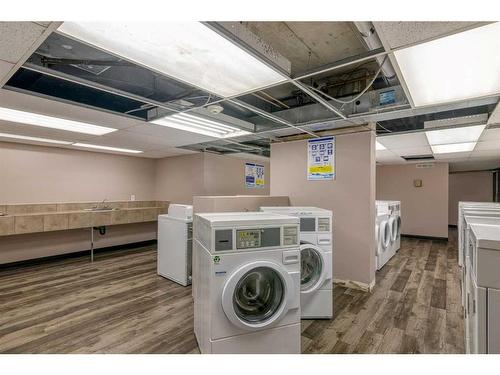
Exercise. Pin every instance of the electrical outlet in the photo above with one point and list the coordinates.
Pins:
(132, 197)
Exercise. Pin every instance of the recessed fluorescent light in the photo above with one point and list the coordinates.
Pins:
(188, 51)
(36, 119)
(36, 139)
(457, 67)
(454, 135)
(379, 146)
(454, 147)
(200, 125)
(107, 148)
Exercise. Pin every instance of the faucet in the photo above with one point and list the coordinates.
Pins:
(97, 206)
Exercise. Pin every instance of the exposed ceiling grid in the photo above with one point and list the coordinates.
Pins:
(318, 49)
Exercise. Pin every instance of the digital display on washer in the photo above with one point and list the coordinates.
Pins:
(248, 238)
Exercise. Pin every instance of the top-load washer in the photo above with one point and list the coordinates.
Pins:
(175, 244)
(246, 283)
(316, 259)
(383, 236)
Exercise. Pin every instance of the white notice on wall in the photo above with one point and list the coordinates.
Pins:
(321, 159)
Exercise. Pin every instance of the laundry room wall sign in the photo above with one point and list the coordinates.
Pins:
(321, 159)
(254, 175)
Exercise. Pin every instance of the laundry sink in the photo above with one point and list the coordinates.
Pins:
(101, 209)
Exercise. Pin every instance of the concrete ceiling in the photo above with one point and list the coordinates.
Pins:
(308, 45)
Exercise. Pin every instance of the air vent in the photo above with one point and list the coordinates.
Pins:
(425, 165)
(418, 157)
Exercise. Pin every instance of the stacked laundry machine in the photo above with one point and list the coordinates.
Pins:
(482, 289)
(387, 231)
(316, 259)
(246, 284)
(478, 230)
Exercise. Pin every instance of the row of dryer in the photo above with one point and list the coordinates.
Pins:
(479, 259)
(387, 231)
(255, 275)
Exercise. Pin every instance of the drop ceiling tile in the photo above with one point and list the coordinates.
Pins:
(485, 153)
(495, 116)
(453, 155)
(474, 164)
(167, 152)
(403, 141)
(5, 68)
(383, 153)
(170, 136)
(488, 145)
(412, 151)
(399, 34)
(490, 135)
(129, 140)
(17, 38)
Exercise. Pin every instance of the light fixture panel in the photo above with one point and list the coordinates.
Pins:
(453, 68)
(33, 139)
(188, 51)
(35, 119)
(454, 147)
(200, 125)
(107, 148)
(454, 135)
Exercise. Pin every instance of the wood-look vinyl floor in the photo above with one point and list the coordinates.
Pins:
(119, 305)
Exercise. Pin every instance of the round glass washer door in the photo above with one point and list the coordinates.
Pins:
(258, 295)
(395, 228)
(311, 268)
(385, 231)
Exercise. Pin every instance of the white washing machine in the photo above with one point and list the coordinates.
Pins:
(483, 290)
(175, 244)
(316, 259)
(246, 283)
(466, 208)
(468, 221)
(383, 236)
(394, 210)
(471, 216)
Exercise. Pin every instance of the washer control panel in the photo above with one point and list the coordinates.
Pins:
(248, 238)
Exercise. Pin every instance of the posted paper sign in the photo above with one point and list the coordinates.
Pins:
(321, 159)
(254, 175)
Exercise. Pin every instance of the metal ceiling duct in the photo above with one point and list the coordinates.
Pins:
(370, 37)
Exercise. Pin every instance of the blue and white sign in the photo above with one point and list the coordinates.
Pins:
(321, 159)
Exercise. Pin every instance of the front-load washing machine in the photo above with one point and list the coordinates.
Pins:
(316, 297)
(394, 210)
(246, 283)
(383, 236)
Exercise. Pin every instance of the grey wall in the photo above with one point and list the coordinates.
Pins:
(351, 197)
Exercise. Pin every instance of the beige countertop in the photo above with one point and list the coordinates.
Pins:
(46, 217)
